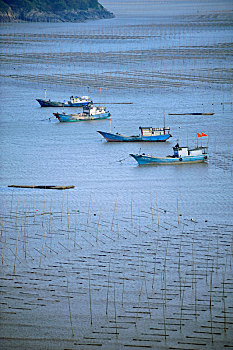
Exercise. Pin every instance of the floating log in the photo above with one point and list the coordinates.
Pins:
(191, 113)
(44, 187)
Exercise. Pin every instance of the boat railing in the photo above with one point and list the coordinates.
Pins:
(154, 129)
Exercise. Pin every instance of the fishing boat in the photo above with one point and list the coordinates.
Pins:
(72, 102)
(89, 113)
(146, 134)
(182, 155)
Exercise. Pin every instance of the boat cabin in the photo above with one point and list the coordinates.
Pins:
(185, 151)
(93, 110)
(197, 151)
(148, 131)
(75, 99)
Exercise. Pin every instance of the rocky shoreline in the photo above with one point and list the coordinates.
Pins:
(62, 16)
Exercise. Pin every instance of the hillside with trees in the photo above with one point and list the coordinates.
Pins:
(52, 11)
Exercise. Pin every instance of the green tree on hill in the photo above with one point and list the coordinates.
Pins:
(52, 10)
(48, 5)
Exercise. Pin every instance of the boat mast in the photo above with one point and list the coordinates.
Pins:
(179, 139)
(164, 125)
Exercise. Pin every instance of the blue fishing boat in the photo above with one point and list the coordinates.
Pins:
(89, 113)
(73, 102)
(182, 155)
(146, 134)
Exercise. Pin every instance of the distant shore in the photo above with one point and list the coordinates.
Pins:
(63, 16)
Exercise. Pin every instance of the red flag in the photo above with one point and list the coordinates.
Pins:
(201, 134)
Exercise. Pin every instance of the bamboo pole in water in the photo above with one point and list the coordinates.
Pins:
(215, 151)
(25, 235)
(117, 223)
(62, 205)
(43, 244)
(164, 316)
(182, 300)
(51, 229)
(2, 245)
(210, 306)
(131, 210)
(108, 286)
(157, 208)
(89, 209)
(16, 211)
(90, 294)
(33, 208)
(115, 308)
(44, 211)
(16, 249)
(207, 262)
(113, 217)
(139, 217)
(11, 202)
(224, 303)
(3, 220)
(177, 208)
(98, 226)
(195, 290)
(71, 323)
(147, 296)
(139, 288)
(156, 249)
(123, 283)
(231, 160)
(68, 217)
(75, 229)
(151, 206)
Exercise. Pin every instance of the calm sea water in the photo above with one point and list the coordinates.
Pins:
(160, 65)
(179, 63)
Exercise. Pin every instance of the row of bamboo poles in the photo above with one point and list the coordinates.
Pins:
(146, 272)
(162, 56)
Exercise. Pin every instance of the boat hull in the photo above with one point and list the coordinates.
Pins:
(109, 137)
(46, 103)
(147, 160)
(64, 118)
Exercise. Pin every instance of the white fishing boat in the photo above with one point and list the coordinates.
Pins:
(182, 155)
(89, 113)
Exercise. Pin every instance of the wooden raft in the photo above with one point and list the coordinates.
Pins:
(191, 113)
(44, 187)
